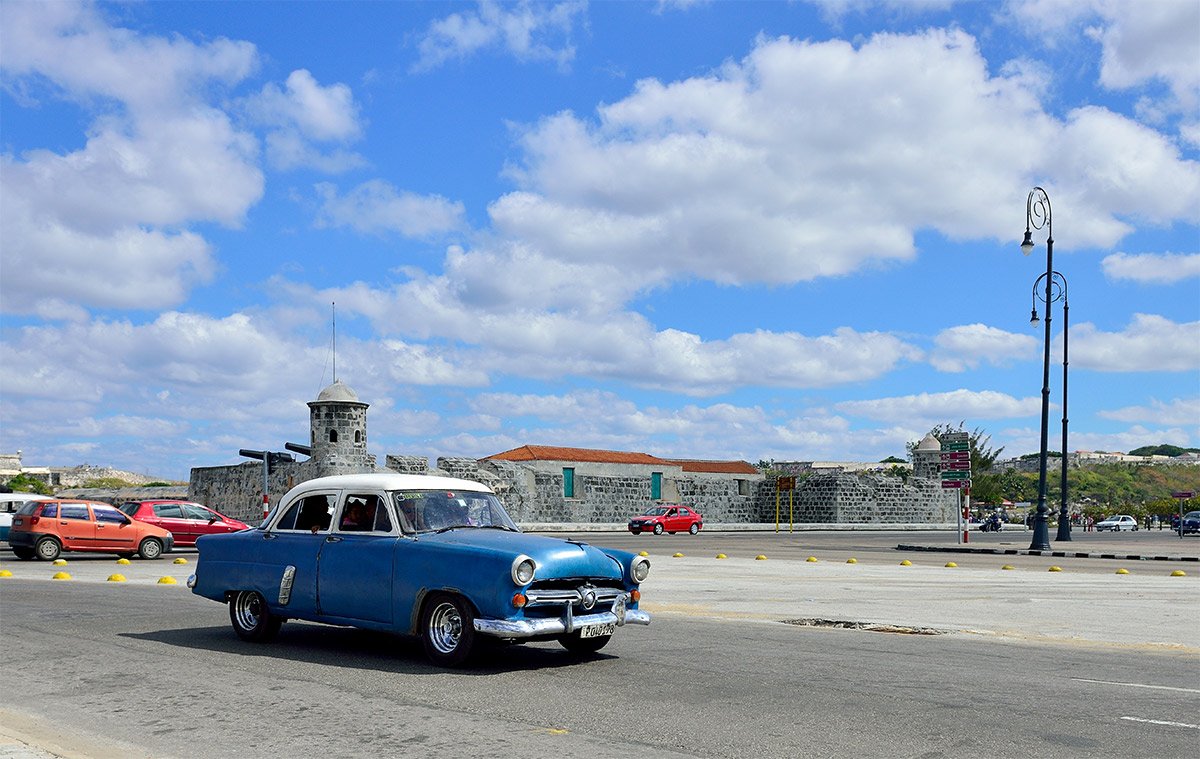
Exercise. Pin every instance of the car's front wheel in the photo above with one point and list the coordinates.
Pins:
(583, 646)
(150, 548)
(48, 549)
(658, 529)
(695, 528)
(23, 552)
(447, 630)
(251, 618)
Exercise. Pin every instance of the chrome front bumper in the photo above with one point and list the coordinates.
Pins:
(569, 622)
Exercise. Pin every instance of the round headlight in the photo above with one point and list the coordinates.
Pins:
(639, 569)
(523, 570)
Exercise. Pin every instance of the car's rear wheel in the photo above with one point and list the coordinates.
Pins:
(48, 549)
(583, 646)
(150, 548)
(251, 618)
(658, 529)
(23, 552)
(695, 528)
(447, 629)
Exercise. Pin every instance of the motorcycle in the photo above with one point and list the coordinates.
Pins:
(992, 524)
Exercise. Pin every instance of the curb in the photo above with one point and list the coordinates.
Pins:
(1061, 554)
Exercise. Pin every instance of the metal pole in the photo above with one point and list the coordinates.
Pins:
(266, 483)
(1064, 516)
(1037, 214)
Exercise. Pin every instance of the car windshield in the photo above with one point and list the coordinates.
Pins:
(655, 511)
(441, 510)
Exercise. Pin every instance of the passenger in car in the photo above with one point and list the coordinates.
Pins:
(355, 516)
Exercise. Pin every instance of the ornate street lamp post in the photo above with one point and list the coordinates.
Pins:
(1037, 216)
(1060, 293)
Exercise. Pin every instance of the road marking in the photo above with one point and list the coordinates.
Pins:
(1136, 685)
(1162, 722)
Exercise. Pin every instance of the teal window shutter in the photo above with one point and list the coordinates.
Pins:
(655, 485)
(568, 482)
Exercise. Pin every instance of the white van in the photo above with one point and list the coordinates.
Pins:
(9, 503)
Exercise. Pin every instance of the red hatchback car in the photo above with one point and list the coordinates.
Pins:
(183, 519)
(667, 518)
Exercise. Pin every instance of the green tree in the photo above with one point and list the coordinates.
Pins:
(23, 483)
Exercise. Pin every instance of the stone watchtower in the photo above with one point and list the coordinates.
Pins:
(927, 458)
(339, 432)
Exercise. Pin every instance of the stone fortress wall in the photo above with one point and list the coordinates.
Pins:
(533, 491)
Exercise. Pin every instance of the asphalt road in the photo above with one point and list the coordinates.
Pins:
(1020, 668)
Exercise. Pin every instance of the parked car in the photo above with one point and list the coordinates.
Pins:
(1191, 523)
(667, 518)
(9, 503)
(1117, 523)
(433, 557)
(185, 520)
(47, 528)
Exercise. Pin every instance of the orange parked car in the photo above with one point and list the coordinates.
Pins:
(47, 528)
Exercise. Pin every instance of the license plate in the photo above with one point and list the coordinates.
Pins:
(595, 631)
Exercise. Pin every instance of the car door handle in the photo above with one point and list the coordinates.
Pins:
(333, 539)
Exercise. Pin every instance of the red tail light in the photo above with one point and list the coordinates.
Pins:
(33, 520)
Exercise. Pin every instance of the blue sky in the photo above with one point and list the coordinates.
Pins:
(695, 229)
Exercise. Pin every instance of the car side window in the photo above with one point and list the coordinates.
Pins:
(310, 514)
(129, 508)
(192, 511)
(111, 516)
(168, 511)
(75, 511)
(364, 513)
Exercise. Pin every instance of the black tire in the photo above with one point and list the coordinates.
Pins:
(25, 553)
(48, 549)
(583, 646)
(150, 548)
(695, 528)
(672, 532)
(447, 629)
(251, 619)
(658, 529)
(636, 532)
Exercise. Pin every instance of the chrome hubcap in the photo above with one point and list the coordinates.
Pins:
(445, 627)
(247, 610)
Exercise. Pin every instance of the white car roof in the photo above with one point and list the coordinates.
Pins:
(23, 497)
(386, 481)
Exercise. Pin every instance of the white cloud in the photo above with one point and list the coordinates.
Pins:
(529, 31)
(156, 158)
(1180, 412)
(377, 206)
(1140, 42)
(1127, 440)
(966, 347)
(625, 346)
(935, 408)
(744, 176)
(1152, 268)
(1150, 343)
(304, 113)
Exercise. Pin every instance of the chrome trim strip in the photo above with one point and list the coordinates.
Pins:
(285, 585)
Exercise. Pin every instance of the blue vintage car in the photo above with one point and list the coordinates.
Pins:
(434, 557)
